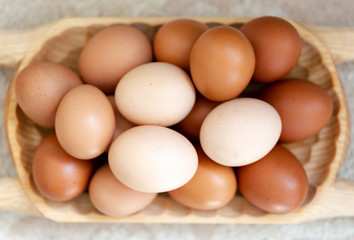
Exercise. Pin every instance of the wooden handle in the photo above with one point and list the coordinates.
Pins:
(14, 44)
(13, 197)
(336, 200)
(339, 41)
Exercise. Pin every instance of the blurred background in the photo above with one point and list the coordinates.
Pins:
(21, 14)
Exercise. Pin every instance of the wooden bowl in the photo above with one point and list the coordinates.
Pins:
(321, 155)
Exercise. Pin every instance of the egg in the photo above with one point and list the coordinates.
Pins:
(122, 123)
(111, 53)
(155, 93)
(85, 122)
(240, 131)
(304, 107)
(109, 196)
(222, 63)
(212, 187)
(152, 158)
(277, 46)
(190, 125)
(39, 88)
(57, 175)
(277, 183)
(174, 40)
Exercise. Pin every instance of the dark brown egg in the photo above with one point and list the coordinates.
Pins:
(276, 183)
(304, 108)
(174, 40)
(39, 89)
(57, 175)
(212, 186)
(222, 62)
(277, 46)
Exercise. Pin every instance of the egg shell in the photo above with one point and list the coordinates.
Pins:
(85, 122)
(39, 88)
(57, 175)
(152, 159)
(277, 46)
(276, 183)
(155, 93)
(174, 40)
(191, 124)
(222, 62)
(212, 187)
(111, 53)
(112, 198)
(122, 123)
(240, 131)
(304, 107)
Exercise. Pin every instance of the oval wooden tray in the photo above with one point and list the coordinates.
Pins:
(321, 156)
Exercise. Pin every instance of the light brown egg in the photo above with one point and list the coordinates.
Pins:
(222, 62)
(39, 88)
(174, 40)
(112, 198)
(304, 107)
(111, 53)
(212, 187)
(276, 183)
(85, 122)
(277, 46)
(122, 123)
(57, 175)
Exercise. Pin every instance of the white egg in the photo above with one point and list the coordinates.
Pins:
(155, 93)
(240, 131)
(152, 159)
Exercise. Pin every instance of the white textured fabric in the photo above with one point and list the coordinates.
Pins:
(17, 14)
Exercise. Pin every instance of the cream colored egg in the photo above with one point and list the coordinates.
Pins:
(155, 93)
(240, 131)
(152, 159)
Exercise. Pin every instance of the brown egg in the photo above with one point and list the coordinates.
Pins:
(111, 197)
(85, 122)
(39, 88)
(190, 125)
(57, 175)
(122, 123)
(174, 40)
(222, 62)
(212, 186)
(111, 53)
(276, 183)
(277, 46)
(304, 107)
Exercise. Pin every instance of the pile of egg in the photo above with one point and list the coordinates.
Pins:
(142, 118)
